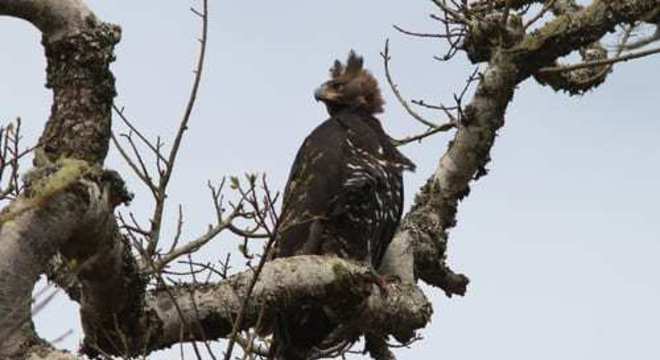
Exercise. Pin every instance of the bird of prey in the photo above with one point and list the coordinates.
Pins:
(344, 195)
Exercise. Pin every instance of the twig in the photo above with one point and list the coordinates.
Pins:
(540, 14)
(179, 229)
(645, 41)
(241, 312)
(144, 177)
(456, 16)
(421, 35)
(183, 126)
(61, 337)
(588, 64)
(132, 127)
(419, 137)
(196, 244)
(608, 68)
(386, 60)
(194, 304)
(262, 219)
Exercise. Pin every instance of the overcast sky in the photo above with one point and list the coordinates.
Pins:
(561, 240)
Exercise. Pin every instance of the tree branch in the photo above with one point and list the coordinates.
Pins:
(69, 201)
(55, 19)
(208, 311)
(67, 194)
(425, 227)
(597, 63)
(575, 30)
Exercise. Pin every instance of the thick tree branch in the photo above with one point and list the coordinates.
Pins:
(207, 311)
(68, 202)
(424, 229)
(434, 210)
(83, 90)
(575, 30)
(580, 80)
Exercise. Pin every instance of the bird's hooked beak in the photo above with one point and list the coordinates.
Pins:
(318, 93)
(326, 93)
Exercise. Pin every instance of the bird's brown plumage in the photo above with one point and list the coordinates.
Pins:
(351, 86)
(344, 196)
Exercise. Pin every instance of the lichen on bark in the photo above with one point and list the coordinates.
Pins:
(83, 90)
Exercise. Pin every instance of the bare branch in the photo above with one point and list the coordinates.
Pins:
(238, 324)
(193, 245)
(645, 41)
(424, 135)
(386, 60)
(546, 7)
(421, 35)
(262, 218)
(597, 63)
(141, 173)
(165, 176)
(135, 130)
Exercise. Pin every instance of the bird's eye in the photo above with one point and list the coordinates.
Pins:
(337, 86)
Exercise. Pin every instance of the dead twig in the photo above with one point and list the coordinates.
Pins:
(262, 217)
(589, 64)
(166, 174)
(386, 60)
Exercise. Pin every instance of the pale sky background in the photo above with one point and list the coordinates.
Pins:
(561, 239)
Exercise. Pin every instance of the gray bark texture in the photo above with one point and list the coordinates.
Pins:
(67, 209)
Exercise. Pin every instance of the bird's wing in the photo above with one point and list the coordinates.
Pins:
(315, 180)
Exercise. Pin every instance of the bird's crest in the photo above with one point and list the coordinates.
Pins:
(351, 84)
(353, 67)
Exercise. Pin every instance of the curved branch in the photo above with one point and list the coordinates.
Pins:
(395, 89)
(56, 19)
(67, 195)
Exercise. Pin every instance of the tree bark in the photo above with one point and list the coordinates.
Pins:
(68, 205)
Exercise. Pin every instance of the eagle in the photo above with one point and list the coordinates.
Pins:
(344, 196)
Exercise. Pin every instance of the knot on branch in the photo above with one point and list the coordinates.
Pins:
(404, 310)
(44, 182)
(489, 32)
(119, 193)
(428, 221)
(83, 56)
(430, 200)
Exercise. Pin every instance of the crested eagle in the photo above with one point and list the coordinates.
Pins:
(344, 196)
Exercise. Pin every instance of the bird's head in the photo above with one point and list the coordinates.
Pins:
(350, 87)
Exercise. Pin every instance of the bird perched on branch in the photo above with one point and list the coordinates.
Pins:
(344, 196)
